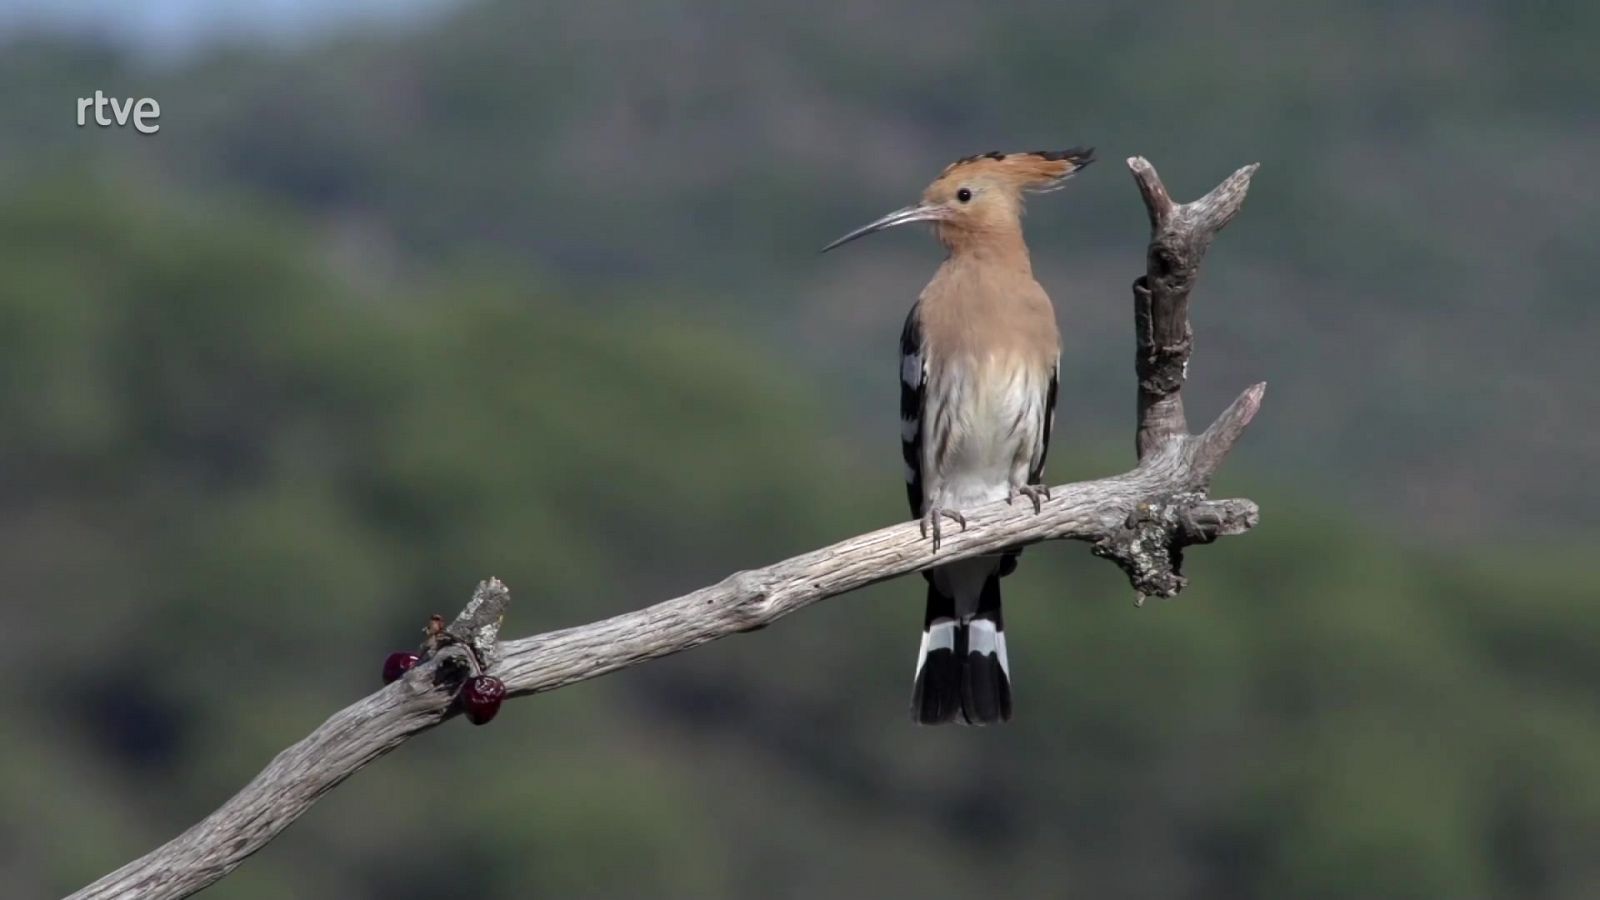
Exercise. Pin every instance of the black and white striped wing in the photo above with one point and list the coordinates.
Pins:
(913, 385)
(1036, 467)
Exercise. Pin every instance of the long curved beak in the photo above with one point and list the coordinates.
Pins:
(917, 213)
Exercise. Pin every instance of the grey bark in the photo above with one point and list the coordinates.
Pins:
(1141, 520)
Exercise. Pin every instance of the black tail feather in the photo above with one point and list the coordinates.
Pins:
(985, 690)
(936, 696)
(985, 683)
(936, 699)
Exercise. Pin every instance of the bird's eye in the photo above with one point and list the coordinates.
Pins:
(963, 195)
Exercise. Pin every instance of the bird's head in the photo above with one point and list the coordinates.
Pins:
(981, 196)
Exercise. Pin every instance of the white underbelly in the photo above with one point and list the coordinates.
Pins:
(995, 430)
(979, 467)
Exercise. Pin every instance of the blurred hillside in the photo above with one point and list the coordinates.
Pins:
(534, 293)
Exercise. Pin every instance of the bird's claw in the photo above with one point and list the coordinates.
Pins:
(930, 522)
(1035, 492)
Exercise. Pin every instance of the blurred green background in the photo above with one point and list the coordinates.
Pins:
(394, 302)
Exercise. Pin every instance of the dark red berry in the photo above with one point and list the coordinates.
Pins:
(480, 698)
(398, 663)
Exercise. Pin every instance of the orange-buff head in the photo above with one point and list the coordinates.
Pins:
(980, 197)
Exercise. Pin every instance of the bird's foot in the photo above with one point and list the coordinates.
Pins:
(1035, 492)
(930, 522)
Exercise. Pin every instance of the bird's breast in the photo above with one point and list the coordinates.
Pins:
(992, 420)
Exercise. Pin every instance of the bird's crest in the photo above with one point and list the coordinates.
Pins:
(1034, 170)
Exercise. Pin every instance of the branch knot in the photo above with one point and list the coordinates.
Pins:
(1148, 547)
(749, 595)
(478, 624)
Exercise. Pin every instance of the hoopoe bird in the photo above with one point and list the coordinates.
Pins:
(978, 362)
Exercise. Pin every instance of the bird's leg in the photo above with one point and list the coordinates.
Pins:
(1035, 492)
(930, 522)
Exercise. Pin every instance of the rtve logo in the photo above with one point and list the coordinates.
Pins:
(144, 112)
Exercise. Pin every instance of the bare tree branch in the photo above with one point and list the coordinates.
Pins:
(1180, 234)
(1141, 520)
